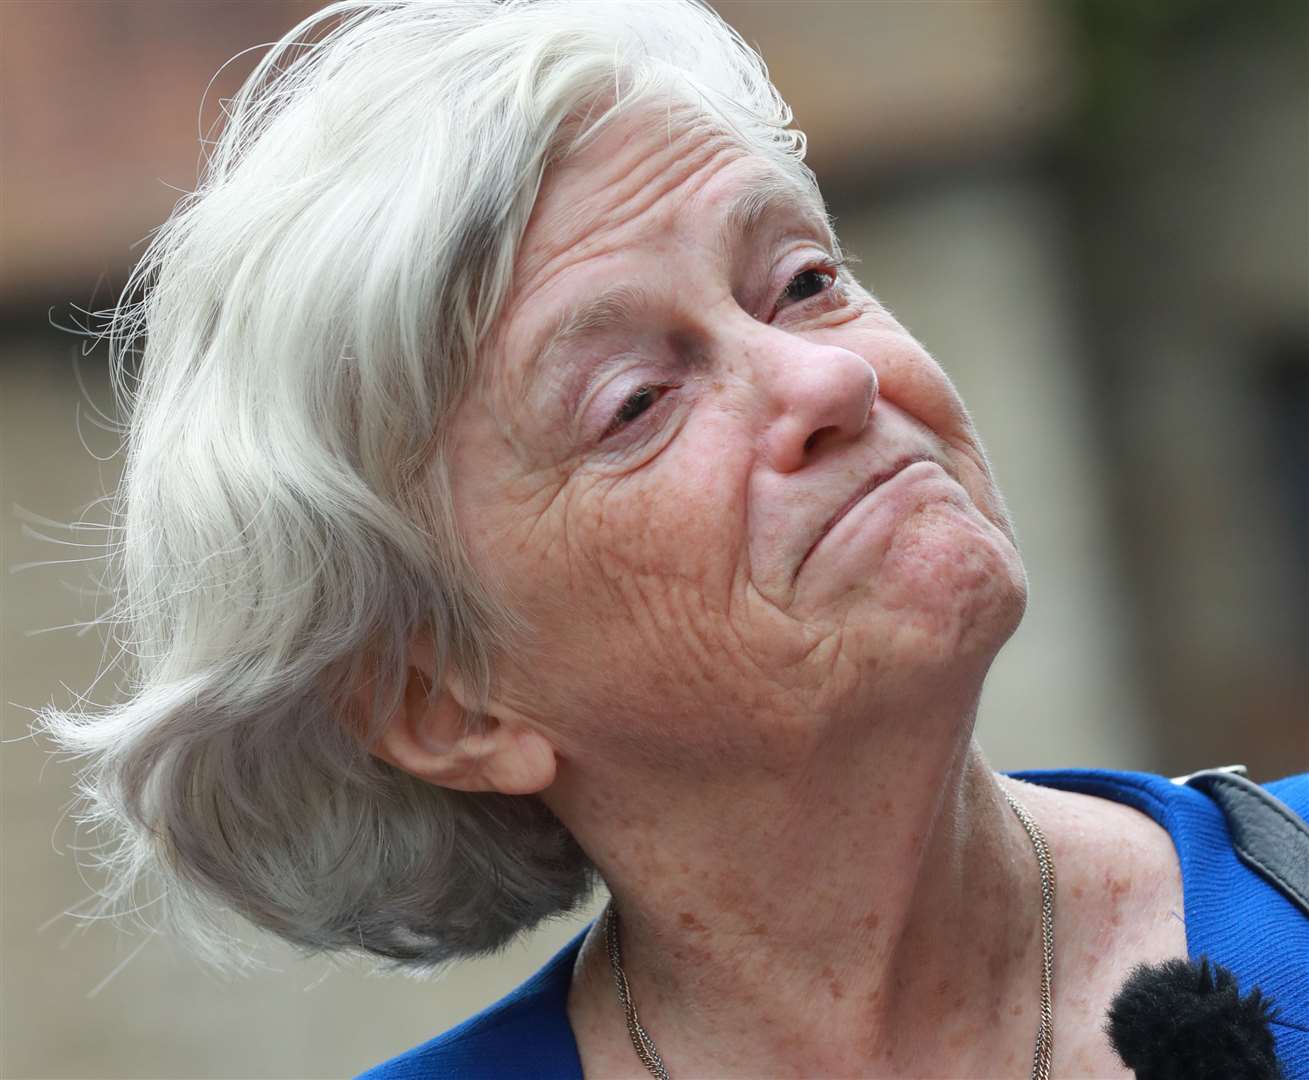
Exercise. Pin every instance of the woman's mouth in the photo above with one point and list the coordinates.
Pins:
(866, 488)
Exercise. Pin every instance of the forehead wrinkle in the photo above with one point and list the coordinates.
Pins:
(642, 185)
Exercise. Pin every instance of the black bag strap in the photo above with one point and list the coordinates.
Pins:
(1268, 835)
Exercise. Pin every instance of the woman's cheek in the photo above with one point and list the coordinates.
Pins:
(912, 380)
(906, 373)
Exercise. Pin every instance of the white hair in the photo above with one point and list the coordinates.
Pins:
(299, 332)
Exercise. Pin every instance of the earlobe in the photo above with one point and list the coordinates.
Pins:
(522, 764)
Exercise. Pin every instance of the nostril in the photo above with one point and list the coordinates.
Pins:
(816, 436)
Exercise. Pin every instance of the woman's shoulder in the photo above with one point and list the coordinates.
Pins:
(1243, 852)
(1223, 825)
(524, 1033)
(1202, 804)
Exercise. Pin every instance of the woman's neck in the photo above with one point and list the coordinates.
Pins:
(867, 913)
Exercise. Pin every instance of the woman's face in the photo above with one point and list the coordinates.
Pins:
(676, 494)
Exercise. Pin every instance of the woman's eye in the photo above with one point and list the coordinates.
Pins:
(808, 283)
(634, 406)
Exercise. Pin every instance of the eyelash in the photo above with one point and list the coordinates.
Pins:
(830, 267)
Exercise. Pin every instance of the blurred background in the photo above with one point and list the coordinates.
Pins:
(1094, 213)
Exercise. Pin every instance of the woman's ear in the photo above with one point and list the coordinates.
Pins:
(427, 739)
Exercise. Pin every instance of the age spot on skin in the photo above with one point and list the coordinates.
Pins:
(833, 983)
(690, 922)
(1116, 889)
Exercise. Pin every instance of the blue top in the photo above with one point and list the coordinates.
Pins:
(1233, 915)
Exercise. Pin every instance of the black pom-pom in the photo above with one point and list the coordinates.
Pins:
(1183, 1021)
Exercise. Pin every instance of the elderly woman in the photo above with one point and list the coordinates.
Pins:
(523, 494)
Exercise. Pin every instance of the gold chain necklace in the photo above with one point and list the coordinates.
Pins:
(1041, 1056)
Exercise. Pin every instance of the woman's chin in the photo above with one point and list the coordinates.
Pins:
(949, 589)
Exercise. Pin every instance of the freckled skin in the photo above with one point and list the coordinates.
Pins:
(771, 764)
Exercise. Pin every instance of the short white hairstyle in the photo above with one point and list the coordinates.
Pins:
(288, 354)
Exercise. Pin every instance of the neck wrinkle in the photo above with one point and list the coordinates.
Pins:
(887, 922)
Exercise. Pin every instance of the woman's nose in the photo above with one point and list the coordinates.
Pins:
(820, 394)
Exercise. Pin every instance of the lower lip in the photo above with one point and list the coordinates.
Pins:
(879, 510)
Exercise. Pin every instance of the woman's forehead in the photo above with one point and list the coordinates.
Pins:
(635, 159)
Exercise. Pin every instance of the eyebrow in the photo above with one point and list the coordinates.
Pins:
(621, 303)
